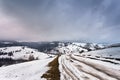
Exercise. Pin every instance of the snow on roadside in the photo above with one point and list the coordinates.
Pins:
(25, 71)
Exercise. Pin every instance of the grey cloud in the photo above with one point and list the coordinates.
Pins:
(92, 20)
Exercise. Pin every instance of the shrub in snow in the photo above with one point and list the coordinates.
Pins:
(31, 57)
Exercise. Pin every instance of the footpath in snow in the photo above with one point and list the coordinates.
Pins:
(76, 67)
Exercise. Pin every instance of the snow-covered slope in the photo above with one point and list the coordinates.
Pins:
(21, 52)
(68, 48)
(106, 53)
(78, 67)
(32, 70)
(80, 61)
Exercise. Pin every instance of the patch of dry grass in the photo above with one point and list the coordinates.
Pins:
(53, 73)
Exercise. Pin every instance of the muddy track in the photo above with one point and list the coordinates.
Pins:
(67, 71)
(77, 68)
(102, 68)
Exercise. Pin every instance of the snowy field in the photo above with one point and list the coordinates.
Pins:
(94, 65)
(109, 52)
(21, 52)
(79, 67)
(32, 70)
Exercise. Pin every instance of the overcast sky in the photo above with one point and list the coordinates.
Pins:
(55, 20)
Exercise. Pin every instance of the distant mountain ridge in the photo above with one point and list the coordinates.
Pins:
(49, 47)
(75, 47)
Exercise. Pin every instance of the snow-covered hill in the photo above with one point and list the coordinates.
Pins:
(18, 54)
(32, 70)
(79, 61)
(21, 52)
(68, 48)
(55, 47)
(105, 53)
